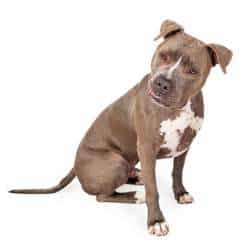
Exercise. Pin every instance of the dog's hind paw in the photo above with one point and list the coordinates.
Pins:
(140, 197)
(135, 177)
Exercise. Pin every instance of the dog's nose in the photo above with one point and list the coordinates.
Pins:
(162, 84)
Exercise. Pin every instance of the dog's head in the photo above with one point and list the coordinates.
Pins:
(181, 64)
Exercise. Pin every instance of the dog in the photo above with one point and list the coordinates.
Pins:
(158, 118)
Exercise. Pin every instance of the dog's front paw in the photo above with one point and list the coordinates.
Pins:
(185, 198)
(158, 229)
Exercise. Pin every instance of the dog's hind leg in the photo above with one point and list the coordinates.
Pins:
(101, 173)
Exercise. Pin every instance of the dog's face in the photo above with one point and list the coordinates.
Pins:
(180, 66)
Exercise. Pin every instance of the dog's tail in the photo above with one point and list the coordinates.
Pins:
(63, 183)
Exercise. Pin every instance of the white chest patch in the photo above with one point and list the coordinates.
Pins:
(172, 130)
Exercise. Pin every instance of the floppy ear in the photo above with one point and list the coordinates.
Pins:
(220, 55)
(169, 27)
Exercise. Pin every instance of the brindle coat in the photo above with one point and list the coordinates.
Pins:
(128, 130)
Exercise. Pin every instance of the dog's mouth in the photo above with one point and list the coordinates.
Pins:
(155, 97)
(170, 102)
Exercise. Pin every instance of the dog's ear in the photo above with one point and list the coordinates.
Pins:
(169, 27)
(220, 55)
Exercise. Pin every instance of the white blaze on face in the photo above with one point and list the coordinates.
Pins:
(172, 130)
(173, 68)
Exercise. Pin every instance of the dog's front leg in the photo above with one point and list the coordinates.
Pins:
(181, 194)
(156, 221)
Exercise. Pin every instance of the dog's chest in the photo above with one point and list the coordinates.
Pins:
(178, 133)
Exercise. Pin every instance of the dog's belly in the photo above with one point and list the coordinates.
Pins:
(178, 133)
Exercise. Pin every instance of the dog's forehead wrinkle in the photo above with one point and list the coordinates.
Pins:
(182, 42)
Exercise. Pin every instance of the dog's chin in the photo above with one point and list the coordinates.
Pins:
(172, 106)
(162, 102)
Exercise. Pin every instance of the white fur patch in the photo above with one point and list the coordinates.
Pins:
(140, 197)
(165, 71)
(173, 68)
(186, 199)
(172, 130)
(158, 229)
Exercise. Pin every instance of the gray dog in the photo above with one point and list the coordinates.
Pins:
(158, 118)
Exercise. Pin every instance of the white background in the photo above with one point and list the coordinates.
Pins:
(61, 63)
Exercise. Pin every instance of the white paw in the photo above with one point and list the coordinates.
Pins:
(158, 229)
(186, 198)
(140, 197)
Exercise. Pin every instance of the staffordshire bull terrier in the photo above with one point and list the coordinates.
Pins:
(158, 118)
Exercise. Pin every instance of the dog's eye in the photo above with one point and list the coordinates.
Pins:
(165, 57)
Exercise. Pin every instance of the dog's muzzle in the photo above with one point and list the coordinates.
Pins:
(161, 85)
